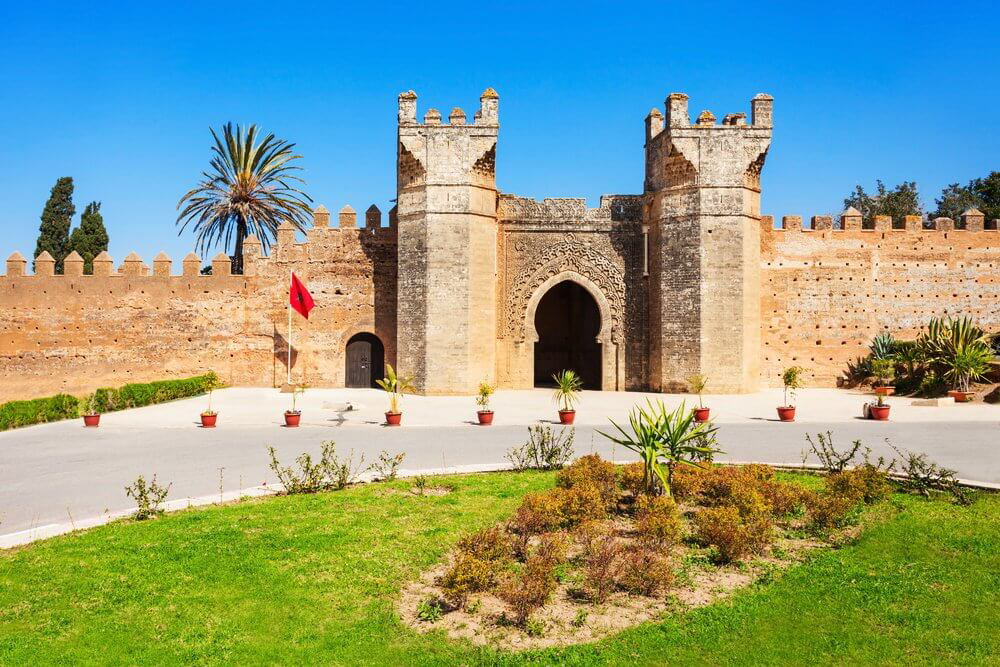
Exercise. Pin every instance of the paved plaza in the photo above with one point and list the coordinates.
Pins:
(64, 474)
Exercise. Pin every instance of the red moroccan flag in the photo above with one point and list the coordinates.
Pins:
(300, 298)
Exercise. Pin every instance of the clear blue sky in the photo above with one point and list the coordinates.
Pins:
(121, 95)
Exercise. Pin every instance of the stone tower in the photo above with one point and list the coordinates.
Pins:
(702, 207)
(447, 219)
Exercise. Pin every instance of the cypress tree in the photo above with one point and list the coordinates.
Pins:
(53, 233)
(90, 238)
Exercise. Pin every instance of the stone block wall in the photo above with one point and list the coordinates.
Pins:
(77, 332)
(825, 293)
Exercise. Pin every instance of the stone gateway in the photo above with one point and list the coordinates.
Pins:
(466, 283)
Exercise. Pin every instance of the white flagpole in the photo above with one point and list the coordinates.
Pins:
(289, 328)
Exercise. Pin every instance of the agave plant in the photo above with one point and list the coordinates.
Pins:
(663, 440)
(883, 346)
(249, 189)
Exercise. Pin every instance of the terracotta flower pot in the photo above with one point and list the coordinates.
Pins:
(208, 421)
(393, 418)
(885, 391)
(961, 396)
(786, 413)
(567, 416)
(292, 418)
(485, 417)
(701, 415)
(91, 420)
(879, 412)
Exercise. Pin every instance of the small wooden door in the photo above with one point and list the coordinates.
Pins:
(364, 360)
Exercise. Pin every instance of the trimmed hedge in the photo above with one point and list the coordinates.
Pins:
(63, 406)
(37, 411)
(138, 395)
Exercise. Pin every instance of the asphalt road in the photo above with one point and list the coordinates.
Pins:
(61, 472)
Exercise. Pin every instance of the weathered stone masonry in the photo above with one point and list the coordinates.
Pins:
(684, 277)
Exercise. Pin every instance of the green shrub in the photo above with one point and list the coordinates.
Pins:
(591, 470)
(657, 522)
(14, 414)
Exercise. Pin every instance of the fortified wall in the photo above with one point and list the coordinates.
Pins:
(76, 332)
(468, 284)
(825, 292)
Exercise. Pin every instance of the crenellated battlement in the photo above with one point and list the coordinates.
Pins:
(678, 118)
(485, 116)
(326, 239)
(850, 220)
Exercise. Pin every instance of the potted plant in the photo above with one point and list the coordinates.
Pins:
(963, 368)
(791, 378)
(91, 417)
(294, 416)
(697, 383)
(568, 386)
(395, 386)
(959, 351)
(209, 417)
(879, 411)
(483, 401)
(884, 371)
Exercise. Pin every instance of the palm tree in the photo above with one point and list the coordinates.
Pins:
(248, 190)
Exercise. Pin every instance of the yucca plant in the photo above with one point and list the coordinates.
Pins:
(958, 349)
(395, 386)
(568, 387)
(249, 189)
(663, 440)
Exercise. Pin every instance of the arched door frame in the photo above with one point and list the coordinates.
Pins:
(612, 356)
(351, 335)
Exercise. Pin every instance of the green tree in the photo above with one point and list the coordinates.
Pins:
(248, 190)
(980, 193)
(897, 202)
(53, 233)
(90, 239)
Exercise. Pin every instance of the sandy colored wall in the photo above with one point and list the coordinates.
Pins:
(826, 293)
(75, 333)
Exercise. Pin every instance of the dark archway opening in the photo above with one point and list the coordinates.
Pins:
(567, 322)
(365, 358)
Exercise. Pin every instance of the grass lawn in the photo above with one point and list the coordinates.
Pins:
(311, 579)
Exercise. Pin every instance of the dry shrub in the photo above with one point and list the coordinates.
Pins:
(603, 566)
(736, 531)
(688, 481)
(528, 590)
(720, 484)
(538, 513)
(865, 483)
(590, 533)
(630, 478)
(491, 544)
(646, 572)
(552, 548)
(581, 503)
(591, 470)
(757, 472)
(828, 510)
(783, 498)
(657, 522)
(466, 575)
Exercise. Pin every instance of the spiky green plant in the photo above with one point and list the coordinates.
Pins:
(883, 346)
(568, 386)
(247, 190)
(958, 349)
(663, 440)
